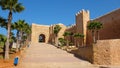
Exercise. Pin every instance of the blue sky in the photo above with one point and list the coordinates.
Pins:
(47, 12)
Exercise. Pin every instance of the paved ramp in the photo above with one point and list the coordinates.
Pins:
(47, 56)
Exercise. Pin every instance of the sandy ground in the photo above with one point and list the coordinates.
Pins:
(9, 63)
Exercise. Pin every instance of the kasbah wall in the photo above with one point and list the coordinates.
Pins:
(46, 30)
(105, 52)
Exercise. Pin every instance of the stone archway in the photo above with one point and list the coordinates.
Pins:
(41, 38)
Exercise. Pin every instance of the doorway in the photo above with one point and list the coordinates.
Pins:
(41, 38)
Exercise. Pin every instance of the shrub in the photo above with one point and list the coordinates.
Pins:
(62, 42)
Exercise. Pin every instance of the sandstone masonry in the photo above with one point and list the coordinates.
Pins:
(105, 52)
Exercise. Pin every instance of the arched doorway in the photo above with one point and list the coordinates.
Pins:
(41, 38)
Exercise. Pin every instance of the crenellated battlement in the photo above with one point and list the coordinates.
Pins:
(82, 12)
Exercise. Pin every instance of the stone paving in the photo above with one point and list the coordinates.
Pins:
(47, 56)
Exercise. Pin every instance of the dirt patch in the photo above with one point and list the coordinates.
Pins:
(9, 63)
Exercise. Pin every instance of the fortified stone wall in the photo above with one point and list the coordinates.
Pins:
(48, 31)
(106, 51)
(51, 34)
(60, 34)
(82, 18)
(63, 28)
(111, 26)
(37, 30)
(71, 29)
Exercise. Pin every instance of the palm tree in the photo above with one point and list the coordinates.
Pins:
(16, 26)
(12, 39)
(67, 34)
(11, 6)
(91, 26)
(81, 36)
(3, 23)
(98, 27)
(23, 32)
(57, 28)
(20, 27)
(94, 27)
(27, 33)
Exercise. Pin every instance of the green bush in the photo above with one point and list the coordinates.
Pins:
(2, 40)
(62, 42)
(71, 44)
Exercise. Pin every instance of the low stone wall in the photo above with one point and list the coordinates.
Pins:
(115, 52)
(85, 53)
(104, 52)
(107, 52)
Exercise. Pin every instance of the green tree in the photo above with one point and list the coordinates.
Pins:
(57, 28)
(81, 36)
(94, 27)
(62, 41)
(3, 22)
(11, 6)
(67, 35)
(2, 40)
(26, 34)
(98, 27)
(20, 26)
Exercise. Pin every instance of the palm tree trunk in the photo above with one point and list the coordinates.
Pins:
(98, 37)
(27, 41)
(8, 36)
(76, 42)
(20, 40)
(70, 38)
(17, 41)
(10, 46)
(93, 35)
(56, 40)
(67, 43)
(82, 42)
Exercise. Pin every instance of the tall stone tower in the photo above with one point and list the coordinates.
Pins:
(82, 18)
